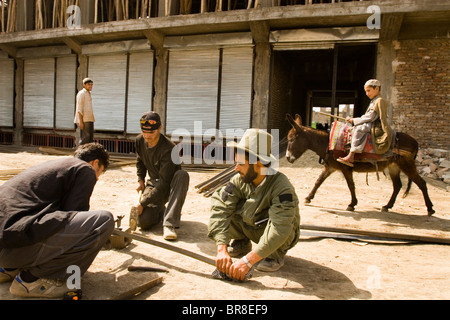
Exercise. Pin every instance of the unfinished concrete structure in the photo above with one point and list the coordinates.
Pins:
(230, 65)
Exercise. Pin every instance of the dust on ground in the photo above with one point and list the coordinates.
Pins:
(317, 268)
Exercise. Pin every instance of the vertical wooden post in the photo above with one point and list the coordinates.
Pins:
(96, 11)
(3, 15)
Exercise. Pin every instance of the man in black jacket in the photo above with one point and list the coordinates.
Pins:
(46, 229)
(168, 183)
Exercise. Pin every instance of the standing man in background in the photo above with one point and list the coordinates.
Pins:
(84, 114)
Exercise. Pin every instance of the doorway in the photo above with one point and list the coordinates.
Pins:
(325, 80)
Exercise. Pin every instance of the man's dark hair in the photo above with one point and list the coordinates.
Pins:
(93, 151)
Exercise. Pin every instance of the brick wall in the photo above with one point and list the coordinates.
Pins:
(421, 95)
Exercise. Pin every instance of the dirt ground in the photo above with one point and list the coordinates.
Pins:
(317, 268)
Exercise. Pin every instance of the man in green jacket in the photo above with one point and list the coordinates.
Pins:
(259, 205)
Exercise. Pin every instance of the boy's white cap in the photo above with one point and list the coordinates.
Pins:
(372, 82)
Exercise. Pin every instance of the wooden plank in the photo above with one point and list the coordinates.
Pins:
(138, 290)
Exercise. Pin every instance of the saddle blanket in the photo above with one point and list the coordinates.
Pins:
(340, 140)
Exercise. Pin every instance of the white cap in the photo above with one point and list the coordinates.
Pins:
(372, 82)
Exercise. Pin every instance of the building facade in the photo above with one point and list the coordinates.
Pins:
(224, 66)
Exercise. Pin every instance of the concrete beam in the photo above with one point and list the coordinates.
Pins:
(74, 45)
(260, 31)
(155, 37)
(283, 17)
(9, 50)
(390, 26)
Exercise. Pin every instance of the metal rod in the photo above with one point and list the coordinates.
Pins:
(331, 115)
(386, 235)
(165, 246)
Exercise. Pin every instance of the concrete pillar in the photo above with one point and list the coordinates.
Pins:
(261, 77)
(160, 83)
(261, 86)
(385, 57)
(82, 70)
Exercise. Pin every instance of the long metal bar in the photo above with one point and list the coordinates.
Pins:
(331, 115)
(165, 246)
(387, 235)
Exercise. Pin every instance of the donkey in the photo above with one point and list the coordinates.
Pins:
(302, 138)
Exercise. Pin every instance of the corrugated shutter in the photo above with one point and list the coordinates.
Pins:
(192, 89)
(236, 89)
(140, 88)
(6, 92)
(38, 103)
(108, 94)
(66, 71)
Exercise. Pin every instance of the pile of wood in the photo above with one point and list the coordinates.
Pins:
(8, 174)
(116, 161)
(55, 13)
(110, 10)
(8, 15)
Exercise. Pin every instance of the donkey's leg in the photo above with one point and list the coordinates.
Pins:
(323, 176)
(408, 166)
(348, 175)
(394, 173)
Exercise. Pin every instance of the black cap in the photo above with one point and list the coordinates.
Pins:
(150, 121)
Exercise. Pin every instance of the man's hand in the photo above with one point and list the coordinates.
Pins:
(238, 270)
(223, 259)
(349, 120)
(140, 189)
(141, 186)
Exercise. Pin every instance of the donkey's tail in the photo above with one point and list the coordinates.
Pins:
(408, 187)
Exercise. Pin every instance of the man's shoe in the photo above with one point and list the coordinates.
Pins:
(240, 247)
(7, 276)
(41, 288)
(169, 233)
(270, 265)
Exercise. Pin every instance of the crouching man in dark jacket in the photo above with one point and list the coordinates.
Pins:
(46, 226)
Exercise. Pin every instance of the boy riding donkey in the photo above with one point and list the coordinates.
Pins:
(373, 122)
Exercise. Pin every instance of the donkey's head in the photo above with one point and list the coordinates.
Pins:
(296, 145)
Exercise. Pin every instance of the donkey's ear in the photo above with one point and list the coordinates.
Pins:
(298, 119)
(293, 122)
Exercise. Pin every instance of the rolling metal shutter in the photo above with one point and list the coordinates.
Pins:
(66, 70)
(109, 73)
(38, 103)
(140, 88)
(192, 89)
(236, 89)
(6, 92)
